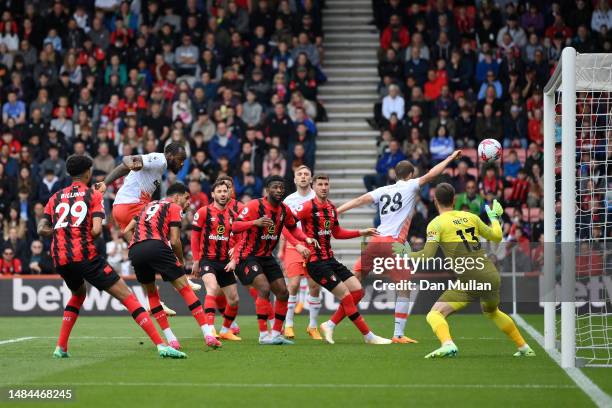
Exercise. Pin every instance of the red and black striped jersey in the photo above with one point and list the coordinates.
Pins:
(70, 212)
(235, 205)
(155, 220)
(212, 231)
(260, 241)
(320, 221)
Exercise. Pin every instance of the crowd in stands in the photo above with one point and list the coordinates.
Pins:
(453, 73)
(234, 81)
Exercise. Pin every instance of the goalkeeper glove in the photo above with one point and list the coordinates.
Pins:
(495, 212)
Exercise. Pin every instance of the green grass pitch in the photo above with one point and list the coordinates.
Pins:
(113, 365)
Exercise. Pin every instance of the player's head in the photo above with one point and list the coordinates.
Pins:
(404, 170)
(175, 156)
(320, 184)
(229, 182)
(178, 194)
(275, 185)
(220, 192)
(444, 196)
(79, 167)
(303, 177)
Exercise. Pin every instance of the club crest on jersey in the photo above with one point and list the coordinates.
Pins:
(207, 268)
(196, 216)
(221, 229)
(245, 210)
(272, 229)
(326, 224)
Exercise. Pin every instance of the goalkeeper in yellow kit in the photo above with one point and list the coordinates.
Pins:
(458, 234)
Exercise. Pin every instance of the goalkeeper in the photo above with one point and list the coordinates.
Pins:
(458, 234)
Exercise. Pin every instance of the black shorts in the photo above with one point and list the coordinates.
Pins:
(151, 257)
(218, 269)
(247, 270)
(328, 273)
(95, 271)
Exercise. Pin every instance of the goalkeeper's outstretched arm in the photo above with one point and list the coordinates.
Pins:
(494, 232)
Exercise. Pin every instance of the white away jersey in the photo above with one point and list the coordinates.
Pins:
(396, 206)
(140, 185)
(296, 200)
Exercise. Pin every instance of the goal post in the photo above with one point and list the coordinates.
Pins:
(577, 142)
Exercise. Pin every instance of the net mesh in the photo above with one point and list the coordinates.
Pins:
(593, 209)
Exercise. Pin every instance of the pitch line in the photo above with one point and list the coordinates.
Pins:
(600, 398)
(302, 385)
(17, 340)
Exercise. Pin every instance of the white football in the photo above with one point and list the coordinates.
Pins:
(489, 150)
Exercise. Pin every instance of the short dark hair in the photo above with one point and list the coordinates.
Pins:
(445, 193)
(76, 165)
(218, 183)
(273, 179)
(226, 179)
(320, 176)
(404, 169)
(174, 148)
(176, 188)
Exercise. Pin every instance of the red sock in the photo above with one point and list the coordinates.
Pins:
(261, 309)
(253, 293)
(229, 315)
(280, 311)
(221, 303)
(142, 318)
(194, 304)
(210, 304)
(71, 313)
(348, 304)
(157, 310)
(339, 314)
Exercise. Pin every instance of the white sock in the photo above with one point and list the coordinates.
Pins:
(448, 343)
(524, 347)
(234, 324)
(263, 334)
(303, 290)
(223, 330)
(169, 335)
(290, 310)
(330, 325)
(275, 333)
(314, 304)
(207, 330)
(402, 306)
(369, 336)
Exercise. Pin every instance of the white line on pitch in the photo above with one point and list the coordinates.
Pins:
(17, 340)
(600, 398)
(284, 385)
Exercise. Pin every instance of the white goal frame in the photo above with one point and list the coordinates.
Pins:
(568, 80)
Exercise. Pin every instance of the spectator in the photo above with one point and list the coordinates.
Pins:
(470, 199)
(39, 262)
(516, 32)
(186, 57)
(520, 187)
(386, 162)
(602, 16)
(442, 145)
(246, 182)
(491, 185)
(224, 143)
(395, 32)
(488, 126)
(251, 110)
(197, 199)
(512, 166)
(274, 158)
(9, 265)
(13, 109)
(462, 177)
(393, 103)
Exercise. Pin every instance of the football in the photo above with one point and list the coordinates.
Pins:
(489, 150)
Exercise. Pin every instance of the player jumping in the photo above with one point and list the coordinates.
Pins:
(295, 264)
(458, 234)
(210, 243)
(396, 206)
(260, 224)
(319, 219)
(143, 174)
(158, 223)
(73, 218)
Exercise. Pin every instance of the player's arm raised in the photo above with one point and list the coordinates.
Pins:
(494, 232)
(436, 170)
(360, 201)
(128, 164)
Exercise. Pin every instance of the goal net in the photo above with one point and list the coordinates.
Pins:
(578, 209)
